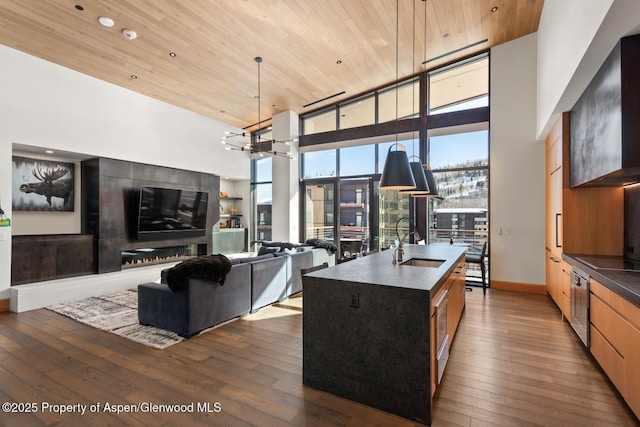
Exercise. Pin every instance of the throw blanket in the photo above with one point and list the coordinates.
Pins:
(208, 267)
(325, 244)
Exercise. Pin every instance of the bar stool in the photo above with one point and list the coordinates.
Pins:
(479, 258)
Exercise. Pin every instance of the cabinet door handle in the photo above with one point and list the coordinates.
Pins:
(558, 215)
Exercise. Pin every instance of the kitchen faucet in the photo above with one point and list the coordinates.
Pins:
(399, 251)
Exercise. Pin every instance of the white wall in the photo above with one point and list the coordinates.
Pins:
(49, 106)
(5, 204)
(574, 38)
(517, 166)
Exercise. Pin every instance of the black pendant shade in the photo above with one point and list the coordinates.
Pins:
(397, 174)
(422, 187)
(431, 183)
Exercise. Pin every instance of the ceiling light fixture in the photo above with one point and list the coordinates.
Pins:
(494, 9)
(129, 34)
(172, 54)
(397, 174)
(105, 21)
(133, 77)
(259, 145)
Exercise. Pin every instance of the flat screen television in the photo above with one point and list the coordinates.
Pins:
(165, 213)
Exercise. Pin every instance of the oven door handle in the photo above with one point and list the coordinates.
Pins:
(441, 299)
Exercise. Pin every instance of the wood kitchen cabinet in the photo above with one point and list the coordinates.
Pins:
(577, 220)
(456, 299)
(615, 341)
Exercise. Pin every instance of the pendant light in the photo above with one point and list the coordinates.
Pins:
(431, 183)
(260, 146)
(432, 189)
(397, 174)
(422, 187)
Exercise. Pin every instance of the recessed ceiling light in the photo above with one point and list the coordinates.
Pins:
(172, 54)
(133, 77)
(129, 34)
(79, 7)
(339, 61)
(105, 21)
(494, 8)
(48, 151)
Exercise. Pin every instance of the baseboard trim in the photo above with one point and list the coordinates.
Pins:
(518, 287)
(5, 304)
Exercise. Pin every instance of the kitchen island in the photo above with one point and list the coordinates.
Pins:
(370, 332)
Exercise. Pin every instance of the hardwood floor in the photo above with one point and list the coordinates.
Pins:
(514, 362)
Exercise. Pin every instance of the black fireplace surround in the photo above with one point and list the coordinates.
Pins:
(110, 191)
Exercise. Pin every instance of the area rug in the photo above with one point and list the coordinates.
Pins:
(117, 313)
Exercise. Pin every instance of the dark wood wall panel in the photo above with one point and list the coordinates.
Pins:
(48, 257)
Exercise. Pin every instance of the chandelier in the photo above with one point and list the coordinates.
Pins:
(257, 144)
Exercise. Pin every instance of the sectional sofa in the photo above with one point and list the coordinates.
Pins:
(252, 283)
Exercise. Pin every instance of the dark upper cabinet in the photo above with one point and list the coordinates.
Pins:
(605, 122)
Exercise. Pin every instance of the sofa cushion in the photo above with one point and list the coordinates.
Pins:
(251, 259)
(209, 267)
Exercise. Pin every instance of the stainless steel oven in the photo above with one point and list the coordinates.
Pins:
(442, 336)
(580, 304)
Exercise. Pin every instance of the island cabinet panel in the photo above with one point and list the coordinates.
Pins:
(615, 341)
(373, 349)
(368, 330)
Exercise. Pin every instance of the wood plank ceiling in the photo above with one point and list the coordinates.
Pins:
(310, 49)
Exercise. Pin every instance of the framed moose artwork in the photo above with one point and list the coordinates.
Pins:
(42, 185)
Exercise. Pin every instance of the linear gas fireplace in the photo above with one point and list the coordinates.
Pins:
(148, 256)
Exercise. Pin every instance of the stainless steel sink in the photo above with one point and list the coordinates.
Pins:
(419, 262)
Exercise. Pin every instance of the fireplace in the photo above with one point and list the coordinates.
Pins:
(149, 256)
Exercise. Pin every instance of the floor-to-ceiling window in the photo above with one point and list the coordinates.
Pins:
(343, 202)
(460, 159)
(261, 197)
(440, 117)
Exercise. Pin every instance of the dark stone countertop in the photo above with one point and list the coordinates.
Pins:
(625, 283)
(377, 269)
